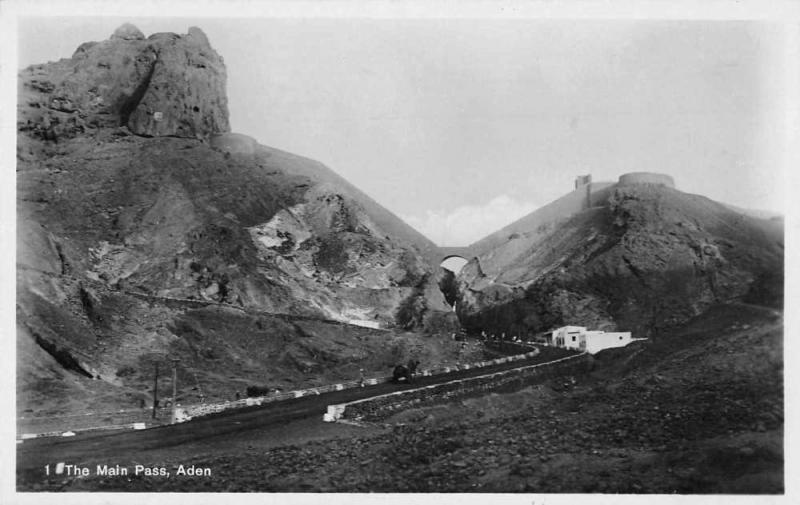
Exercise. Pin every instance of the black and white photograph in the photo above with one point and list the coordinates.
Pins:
(405, 248)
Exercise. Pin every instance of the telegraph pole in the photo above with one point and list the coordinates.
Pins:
(155, 391)
(174, 386)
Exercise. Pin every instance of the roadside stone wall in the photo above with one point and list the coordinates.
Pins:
(380, 407)
(192, 411)
(140, 418)
(505, 346)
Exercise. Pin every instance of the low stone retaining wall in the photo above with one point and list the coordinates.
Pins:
(505, 346)
(72, 433)
(189, 412)
(380, 407)
(192, 411)
(55, 425)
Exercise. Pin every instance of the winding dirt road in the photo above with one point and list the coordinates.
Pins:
(273, 420)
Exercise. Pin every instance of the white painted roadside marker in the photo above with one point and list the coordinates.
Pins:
(334, 413)
(139, 426)
(68, 434)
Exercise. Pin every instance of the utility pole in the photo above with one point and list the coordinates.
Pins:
(174, 386)
(155, 391)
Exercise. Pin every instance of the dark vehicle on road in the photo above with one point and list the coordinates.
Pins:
(405, 372)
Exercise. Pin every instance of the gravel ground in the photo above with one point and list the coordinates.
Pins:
(707, 418)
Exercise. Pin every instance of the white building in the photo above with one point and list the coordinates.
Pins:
(591, 341)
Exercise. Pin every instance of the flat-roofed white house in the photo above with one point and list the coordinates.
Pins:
(591, 341)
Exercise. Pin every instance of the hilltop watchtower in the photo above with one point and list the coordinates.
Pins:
(585, 182)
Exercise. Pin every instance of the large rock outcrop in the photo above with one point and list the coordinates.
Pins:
(165, 85)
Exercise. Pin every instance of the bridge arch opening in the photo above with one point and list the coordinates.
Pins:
(453, 262)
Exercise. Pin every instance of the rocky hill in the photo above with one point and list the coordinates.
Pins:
(644, 258)
(140, 214)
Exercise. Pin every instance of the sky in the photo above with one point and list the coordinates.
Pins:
(461, 126)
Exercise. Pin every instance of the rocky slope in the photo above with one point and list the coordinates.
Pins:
(131, 193)
(646, 258)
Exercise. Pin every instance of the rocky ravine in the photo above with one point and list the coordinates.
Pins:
(645, 259)
(130, 183)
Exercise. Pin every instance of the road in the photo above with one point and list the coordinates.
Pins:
(98, 447)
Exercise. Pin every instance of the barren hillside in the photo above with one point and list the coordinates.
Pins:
(137, 208)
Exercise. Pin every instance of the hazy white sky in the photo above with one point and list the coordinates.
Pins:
(462, 126)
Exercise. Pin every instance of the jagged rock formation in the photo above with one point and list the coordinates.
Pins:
(136, 207)
(645, 259)
(165, 85)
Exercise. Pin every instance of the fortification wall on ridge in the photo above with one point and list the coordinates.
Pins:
(587, 194)
(562, 208)
(646, 178)
(600, 193)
